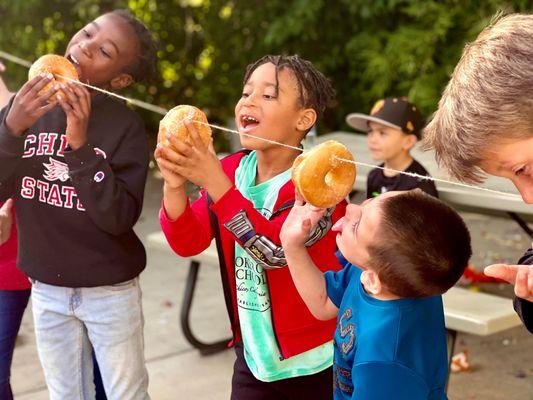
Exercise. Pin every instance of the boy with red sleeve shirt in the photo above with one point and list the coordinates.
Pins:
(282, 350)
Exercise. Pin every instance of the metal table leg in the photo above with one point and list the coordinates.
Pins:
(204, 348)
(523, 224)
(451, 337)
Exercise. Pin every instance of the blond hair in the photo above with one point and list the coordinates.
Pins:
(489, 98)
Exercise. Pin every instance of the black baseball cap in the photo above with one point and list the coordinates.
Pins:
(395, 112)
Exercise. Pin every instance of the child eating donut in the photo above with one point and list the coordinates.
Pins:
(283, 352)
(393, 128)
(77, 174)
(390, 341)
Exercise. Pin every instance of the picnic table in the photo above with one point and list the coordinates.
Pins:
(464, 310)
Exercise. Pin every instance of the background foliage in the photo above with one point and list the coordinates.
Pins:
(368, 48)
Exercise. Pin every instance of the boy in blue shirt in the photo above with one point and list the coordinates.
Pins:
(390, 339)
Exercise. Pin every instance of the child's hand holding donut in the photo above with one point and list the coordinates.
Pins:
(173, 180)
(301, 219)
(77, 106)
(30, 104)
(195, 162)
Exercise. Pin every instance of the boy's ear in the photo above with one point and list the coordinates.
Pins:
(307, 119)
(371, 282)
(409, 142)
(121, 81)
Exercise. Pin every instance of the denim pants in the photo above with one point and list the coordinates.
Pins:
(69, 320)
(12, 306)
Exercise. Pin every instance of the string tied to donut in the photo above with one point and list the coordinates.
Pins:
(163, 111)
(321, 176)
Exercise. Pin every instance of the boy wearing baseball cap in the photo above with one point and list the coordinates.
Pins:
(393, 128)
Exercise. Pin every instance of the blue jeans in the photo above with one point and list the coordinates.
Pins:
(69, 320)
(12, 306)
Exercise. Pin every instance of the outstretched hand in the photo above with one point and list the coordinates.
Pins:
(6, 221)
(521, 276)
(301, 219)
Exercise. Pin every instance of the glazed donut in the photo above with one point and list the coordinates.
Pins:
(320, 177)
(57, 65)
(173, 123)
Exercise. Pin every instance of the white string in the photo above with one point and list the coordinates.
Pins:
(139, 103)
(428, 178)
(248, 135)
(163, 111)
(15, 59)
(412, 174)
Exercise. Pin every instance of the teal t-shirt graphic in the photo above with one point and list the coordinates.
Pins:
(261, 350)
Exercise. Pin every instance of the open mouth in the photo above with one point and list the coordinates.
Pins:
(247, 122)
(75, 63)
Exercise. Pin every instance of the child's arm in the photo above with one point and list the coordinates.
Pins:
(197, 163)
(77, 107)
(258, 235)
(168, 161)
(29, 105)
(5, 94)
(110, 187)
(22, 112)
(308, 279)
(6, 221)
(186, 227)
(174, 194)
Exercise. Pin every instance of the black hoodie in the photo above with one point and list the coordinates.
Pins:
(76, 208)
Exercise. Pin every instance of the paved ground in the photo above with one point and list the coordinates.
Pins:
(503, 364)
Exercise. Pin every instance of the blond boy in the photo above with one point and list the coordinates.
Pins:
(484, 125)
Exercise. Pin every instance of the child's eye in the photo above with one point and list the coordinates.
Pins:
(245, 95)
(86, 33)
(521, 170)
(268, 96)
(105, 53)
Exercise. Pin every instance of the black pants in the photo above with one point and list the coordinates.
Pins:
(245, 386)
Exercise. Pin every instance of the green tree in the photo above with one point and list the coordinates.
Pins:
(368, 48)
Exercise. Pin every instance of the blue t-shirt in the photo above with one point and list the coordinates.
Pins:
(386, 350)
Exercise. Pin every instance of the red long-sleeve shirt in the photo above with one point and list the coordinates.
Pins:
(296, 330)
(11, 278)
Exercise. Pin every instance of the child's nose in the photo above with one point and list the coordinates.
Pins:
(251, 99)
(525, 188)
(86, 48)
